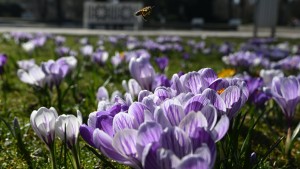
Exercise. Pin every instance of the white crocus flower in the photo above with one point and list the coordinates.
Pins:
(34, 76)
(67, 127)
(28, 46)
(43, 123)
(268, 75)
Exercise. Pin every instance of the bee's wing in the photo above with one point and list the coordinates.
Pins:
(138, 13)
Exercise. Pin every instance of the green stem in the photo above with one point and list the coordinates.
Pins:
(52, 154)
(3, 86)
(75, 156)
(288, 142)
(59, 98)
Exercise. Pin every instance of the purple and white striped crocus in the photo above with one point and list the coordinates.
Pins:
(132, 87)
(57, 70)
(227, 95)
(286, 92)
(43, 123)
(142, 71)
(143, 137)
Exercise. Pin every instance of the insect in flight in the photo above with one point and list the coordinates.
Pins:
(144, 12)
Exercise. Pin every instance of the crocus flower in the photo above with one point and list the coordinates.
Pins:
(84, 41)
(62, 51)
(226, 48)
(55, 71)
(100, 57)
(87, 50)
(286, 92)
(102, 94)
(245, 59)
(59, 40)
(67, 128)
(71, 61)
(117, 59)
(26, 64)
(43, 123)
(33, 76)
(162, 62)
(29, 46)
(268, 75)
(3, 60)
(132, 87)
(39, 41)
(142, 71)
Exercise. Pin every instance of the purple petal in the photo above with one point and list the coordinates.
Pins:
(102, 94)
(122, 121)
(104, 143)
(124, 142)
(177, 85)
(221, 128)
(161, 94)
(143, 94)
(176, 140)
(232, 99)
(202, 137)
(192, 121)
(86, 133)
(160, 117)
(196, 103)
(210, 113)
(149, 156)
(193, 81)
(148, 132)
(173, 111)
(193, 161)
(167, 159)
(208, 74)
(105, 123)
(215, 100)
(148, 101)
(137, 109)
(219, 84)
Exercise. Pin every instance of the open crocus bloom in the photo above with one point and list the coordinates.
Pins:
(43, 123)
(143, 135)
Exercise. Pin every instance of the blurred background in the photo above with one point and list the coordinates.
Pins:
(173, 14)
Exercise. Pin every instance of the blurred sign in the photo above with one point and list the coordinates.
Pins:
(101, 13)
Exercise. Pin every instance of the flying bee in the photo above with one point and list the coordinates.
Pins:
(146, 11)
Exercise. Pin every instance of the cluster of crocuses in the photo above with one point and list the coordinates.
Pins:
(29, 41)
(166, 127)
(47, 125)
(260, 53)
(50, 73)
